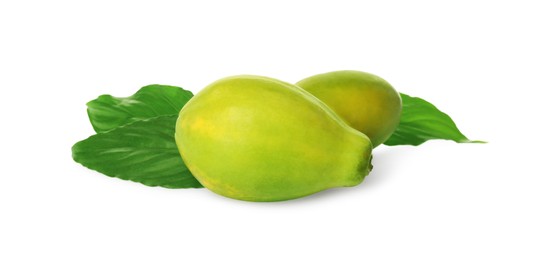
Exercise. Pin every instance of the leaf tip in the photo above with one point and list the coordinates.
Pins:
(468, 141)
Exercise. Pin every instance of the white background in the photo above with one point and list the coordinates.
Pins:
(479, 61)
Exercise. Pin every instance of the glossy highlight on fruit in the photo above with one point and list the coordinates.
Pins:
(365, 101)
(260, 139)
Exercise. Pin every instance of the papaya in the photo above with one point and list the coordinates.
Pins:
(365, 101)
(255, 138)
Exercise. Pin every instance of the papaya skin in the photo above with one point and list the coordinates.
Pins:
(259, 139)
(365, 101)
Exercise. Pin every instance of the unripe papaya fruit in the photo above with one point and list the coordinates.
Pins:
(366, 102)
(259, 139)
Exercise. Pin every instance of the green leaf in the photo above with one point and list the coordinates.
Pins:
(108, 112)
(422, 121)
(144, 151)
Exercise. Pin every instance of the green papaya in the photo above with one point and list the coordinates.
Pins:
(260, 139)
(365, 101)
